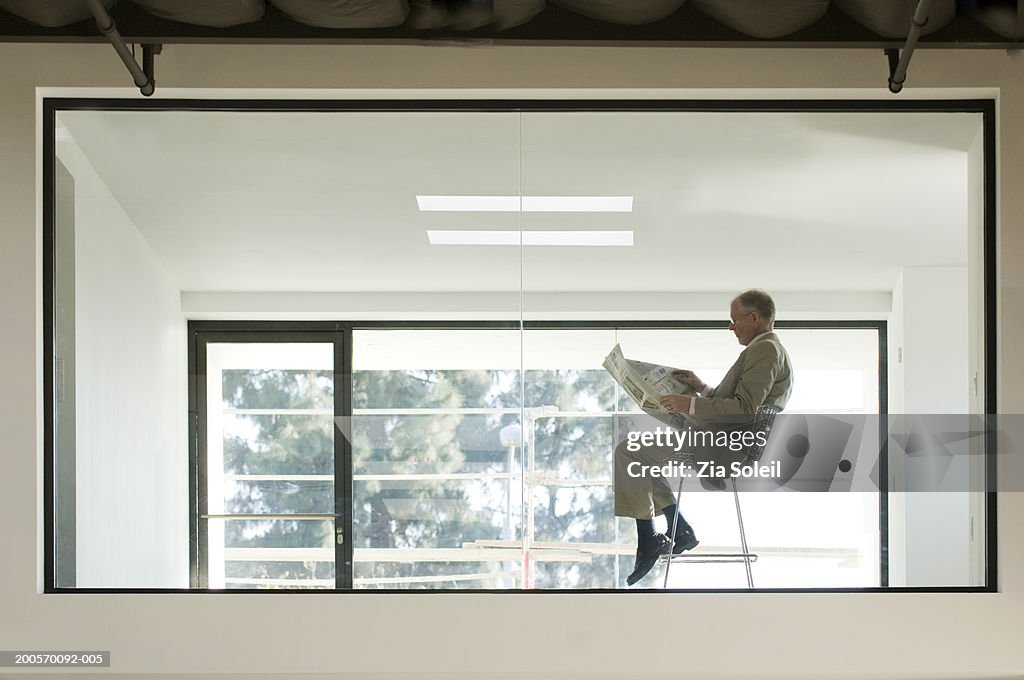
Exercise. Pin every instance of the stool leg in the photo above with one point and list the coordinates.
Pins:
(743, 534)
(672, 531)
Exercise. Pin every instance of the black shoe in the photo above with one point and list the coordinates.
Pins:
(647, 557)
(685, 540)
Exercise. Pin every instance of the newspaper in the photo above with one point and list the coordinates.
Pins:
(646, 383)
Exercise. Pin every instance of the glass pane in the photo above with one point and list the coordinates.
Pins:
(439, 569)
(261, 443)
(573, 432)
(120, 388)
(259, 388)
(437, 460)
(409, 511)
(270, 553)
(278, 494)
(835, 371)
(495, 446)
(578, 520)
(804, 205)
(273, 198)
(270, 451)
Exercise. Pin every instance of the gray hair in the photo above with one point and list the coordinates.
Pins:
(756, 300)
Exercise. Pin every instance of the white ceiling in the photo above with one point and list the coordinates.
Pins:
(295, 201)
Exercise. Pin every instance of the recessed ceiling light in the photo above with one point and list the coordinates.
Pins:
(577, 203)
(529, 238)
(468, 203)
(525, 203)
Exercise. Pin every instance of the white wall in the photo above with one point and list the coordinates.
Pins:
(131, 390)
(618, 305)
(934, 337)
(930, 541)
(794, 635)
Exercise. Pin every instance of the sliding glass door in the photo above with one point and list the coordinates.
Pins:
(273, 507)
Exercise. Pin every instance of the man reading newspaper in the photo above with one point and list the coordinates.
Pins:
(762, 374)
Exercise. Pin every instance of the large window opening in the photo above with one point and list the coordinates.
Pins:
(454, 485)
(359, 347)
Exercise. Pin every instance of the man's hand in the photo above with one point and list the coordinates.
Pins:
(690, 378)
(676, 403)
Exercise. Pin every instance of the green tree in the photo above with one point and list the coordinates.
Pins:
(279, 444)
(425, 513)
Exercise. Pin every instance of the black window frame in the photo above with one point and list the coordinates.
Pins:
(52, 105)
(342, 332)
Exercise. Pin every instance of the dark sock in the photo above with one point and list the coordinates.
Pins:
(670, 513)
(644, 532)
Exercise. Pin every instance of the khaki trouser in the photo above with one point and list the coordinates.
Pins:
(642, 497)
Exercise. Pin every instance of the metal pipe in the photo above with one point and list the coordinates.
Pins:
(106, 25)
(898, 75)
(148, 53)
